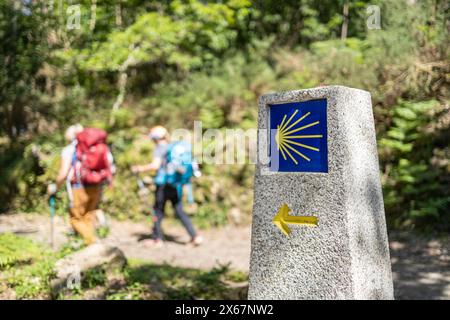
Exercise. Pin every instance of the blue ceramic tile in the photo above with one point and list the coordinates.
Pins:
(298, 136)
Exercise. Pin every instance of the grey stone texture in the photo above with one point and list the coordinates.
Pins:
(347, 255)
(73, 266)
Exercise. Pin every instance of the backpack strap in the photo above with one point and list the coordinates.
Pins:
(76, 173)
(74, 157)
(70, 177)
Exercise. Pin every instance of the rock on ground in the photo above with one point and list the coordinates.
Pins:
(70, 269)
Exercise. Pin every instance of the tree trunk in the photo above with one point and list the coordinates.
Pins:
(344, 29)
(119, 14)
(122, 84)
(93, 14)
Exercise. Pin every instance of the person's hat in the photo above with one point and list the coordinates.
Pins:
(72, 131)
(158, 133)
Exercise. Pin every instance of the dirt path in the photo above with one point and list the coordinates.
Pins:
(421, 268)
(228, 245)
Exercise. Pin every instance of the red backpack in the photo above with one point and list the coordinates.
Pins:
(91, 163)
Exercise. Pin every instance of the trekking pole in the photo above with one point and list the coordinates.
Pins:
(143, 194)
(143, 191)
(140, 183)
(51, 202)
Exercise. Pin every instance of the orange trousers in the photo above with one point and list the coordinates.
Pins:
(82, 212)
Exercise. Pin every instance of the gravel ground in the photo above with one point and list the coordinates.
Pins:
(421, 267)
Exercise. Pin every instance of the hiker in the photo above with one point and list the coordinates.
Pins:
(168, 185)
(86, 165)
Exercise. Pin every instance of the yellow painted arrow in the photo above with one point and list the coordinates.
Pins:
(282, 219)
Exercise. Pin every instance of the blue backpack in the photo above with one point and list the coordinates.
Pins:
(178, 169)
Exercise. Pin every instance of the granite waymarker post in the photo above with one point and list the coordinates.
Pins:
(319, 229)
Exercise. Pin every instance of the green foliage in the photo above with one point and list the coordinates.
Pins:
(217, 98)
(237, 276)
(22, 56)
(123, 119)
(192, 34)
(26, 267)
(103, 232)
(94, 277)
(15, 250)
(150, 281)
(135, 291)
(304, 21)
(414, 185)
(176, 62)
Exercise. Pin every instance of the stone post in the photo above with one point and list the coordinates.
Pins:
(319, 229)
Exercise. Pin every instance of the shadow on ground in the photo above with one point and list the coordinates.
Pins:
(166, 237)
(421, 267)
(142, 280)
(186, 283)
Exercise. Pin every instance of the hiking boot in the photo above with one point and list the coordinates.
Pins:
(198, 240)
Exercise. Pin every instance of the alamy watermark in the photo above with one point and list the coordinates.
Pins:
(230, 146)
(72, 14)
(74, 279)
(373, 21)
